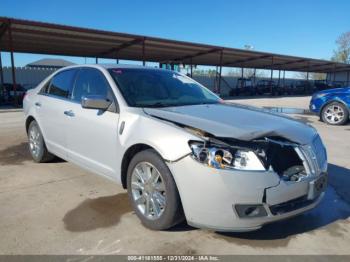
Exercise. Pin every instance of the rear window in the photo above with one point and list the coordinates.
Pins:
(61, 84)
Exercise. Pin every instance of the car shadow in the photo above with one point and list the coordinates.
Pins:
(18, 154)
(334, 208)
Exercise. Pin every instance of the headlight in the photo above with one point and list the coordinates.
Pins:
(226, 158)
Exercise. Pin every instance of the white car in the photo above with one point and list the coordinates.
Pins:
(179, 150)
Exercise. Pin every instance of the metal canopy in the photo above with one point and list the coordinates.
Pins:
(46, 38)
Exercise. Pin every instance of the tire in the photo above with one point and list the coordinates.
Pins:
(37, 146)
(171, 213)
(335, 113)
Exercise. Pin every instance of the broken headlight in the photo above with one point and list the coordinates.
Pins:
(226, 158)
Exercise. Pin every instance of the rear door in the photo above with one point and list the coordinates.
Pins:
(93, 134)
(50, 106)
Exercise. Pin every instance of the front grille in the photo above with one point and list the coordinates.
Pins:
(316, 155)
(320, 152)
(291, 205)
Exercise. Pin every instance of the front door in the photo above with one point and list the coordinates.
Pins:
(93, 134)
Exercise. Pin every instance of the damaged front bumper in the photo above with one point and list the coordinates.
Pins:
(215, 198)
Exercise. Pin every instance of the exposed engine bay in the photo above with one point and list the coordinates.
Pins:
(275, 154)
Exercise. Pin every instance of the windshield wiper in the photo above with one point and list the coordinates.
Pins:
(157, 104)
(160, 104)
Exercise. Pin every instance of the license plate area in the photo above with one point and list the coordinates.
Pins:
(316, 187)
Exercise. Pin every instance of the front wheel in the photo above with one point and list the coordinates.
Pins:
(335, 114)
(153, 192)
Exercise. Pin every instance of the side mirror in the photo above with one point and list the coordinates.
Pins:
(95, 102)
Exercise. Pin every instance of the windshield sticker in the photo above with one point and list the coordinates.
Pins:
(117, 71)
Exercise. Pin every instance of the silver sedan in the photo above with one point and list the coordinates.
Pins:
(180, 151)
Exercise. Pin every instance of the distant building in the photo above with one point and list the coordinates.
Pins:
(50, 63)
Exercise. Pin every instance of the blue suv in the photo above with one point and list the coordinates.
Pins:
(332, 105)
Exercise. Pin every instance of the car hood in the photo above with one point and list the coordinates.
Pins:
(236, 121)
(336, 90)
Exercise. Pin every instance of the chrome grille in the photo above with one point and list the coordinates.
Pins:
(316, 156)
(320, 152)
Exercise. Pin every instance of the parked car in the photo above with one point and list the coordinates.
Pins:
(267, 87)
(178, 149)
(332, 105)
(322, 85)
(300, 87)
(244, 86)
(337, 84)
(10, 94)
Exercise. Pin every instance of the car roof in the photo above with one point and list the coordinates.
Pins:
(117, 66)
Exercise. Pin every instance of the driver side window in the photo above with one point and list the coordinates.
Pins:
(91, 81)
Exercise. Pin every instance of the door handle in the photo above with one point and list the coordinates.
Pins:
(38, 104)
(69, 113)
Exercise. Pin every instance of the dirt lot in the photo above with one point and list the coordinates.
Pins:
(58, 208)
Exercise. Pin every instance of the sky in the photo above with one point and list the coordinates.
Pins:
(293, 27)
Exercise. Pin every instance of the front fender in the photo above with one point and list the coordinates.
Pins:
(334, 99)
(169, 140)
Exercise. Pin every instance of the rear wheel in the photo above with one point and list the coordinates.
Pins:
(335, 113)
(153, 192)
(37, 147)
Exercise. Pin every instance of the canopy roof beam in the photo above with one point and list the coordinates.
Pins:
(279, 65)
(310, 67)
(124, 46)
(201, 53)
(3, 29)
(240, 62)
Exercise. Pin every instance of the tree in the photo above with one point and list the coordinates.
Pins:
(247, 73)
(204, 72)
(342, 53)
(312, 76)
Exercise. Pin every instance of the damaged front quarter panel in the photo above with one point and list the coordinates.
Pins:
(276, 154)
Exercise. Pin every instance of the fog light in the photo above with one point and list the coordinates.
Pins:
(247, 211)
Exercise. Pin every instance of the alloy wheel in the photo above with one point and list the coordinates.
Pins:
(334, 114)
(148, 190)
(34, 141)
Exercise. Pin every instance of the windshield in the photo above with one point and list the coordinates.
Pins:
(160, 88)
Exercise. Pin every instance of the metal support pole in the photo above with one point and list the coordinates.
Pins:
(191, 69)
(279, 77)
(13, 67)
(220, 71)
(242, 72)
(284, 77)
(216, 80)
(347, 78)
(1, 74)
(117, 61)
(96, 60)
(2, 79)
(254, 77)
(271, 73)
(334, 73)
(143, 52)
